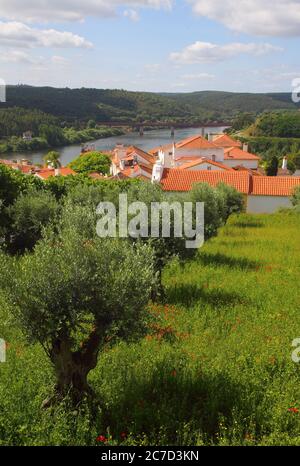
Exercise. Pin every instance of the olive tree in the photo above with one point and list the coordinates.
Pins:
(30, 213)
(76, 291)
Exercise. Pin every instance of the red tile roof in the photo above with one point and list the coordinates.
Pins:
(226, 141)
(195, 163)
(274, 186)
(46, 173)
(183, 180)
(144, 155)
(195, 142)
(234, 153)
(156, 150)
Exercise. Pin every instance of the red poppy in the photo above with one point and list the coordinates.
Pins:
(101, 439)
(174, 373)
(293, 410)
(123, 435)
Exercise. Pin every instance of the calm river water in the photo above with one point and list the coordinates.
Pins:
(150, 140)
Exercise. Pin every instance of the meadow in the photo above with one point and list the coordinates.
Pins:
(215, 369)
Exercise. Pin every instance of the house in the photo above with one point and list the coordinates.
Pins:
(132, 162)
(222, 149)
(178, 180)
(27, 136)
(45, 173)
(224, 140)
(234, 156)
(269, 193)
(28, 168)
(204, 164)
(262, 194)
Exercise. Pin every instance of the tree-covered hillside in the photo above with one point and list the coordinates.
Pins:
(123, 106)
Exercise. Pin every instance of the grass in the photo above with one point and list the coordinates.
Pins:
(216, 369)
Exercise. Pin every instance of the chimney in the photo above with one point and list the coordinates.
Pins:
(210, 137)
(120, 151)
(57, 172)
(122, 165)
(284, 163)
(157, 172)
(245, 147)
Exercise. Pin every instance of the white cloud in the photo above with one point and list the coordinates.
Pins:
(132, 15)
(199, 76)
(60, 61)
(18, 56)
(206, 52)
(258, 17)
(17, 34)
(71, 10)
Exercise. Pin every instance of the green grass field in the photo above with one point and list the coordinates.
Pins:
(216, 369)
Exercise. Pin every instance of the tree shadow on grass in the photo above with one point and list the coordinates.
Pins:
(189, 295)
(218, 259)
(171, 398)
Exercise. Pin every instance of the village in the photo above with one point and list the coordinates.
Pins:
(215, 159)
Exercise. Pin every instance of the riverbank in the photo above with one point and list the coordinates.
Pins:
(148, 141)
(70, 136)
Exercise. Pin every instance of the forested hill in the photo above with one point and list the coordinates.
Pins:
(119, 105)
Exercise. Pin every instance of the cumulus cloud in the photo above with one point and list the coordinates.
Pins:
(258, 17)
(206, 52)
(17, 34)
(71, 10)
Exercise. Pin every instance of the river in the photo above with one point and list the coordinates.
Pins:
(150, 140)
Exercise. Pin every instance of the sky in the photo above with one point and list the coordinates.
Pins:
(151, 45)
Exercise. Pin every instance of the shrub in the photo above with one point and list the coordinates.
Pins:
(91, 162)
(234, 201)
(28, 215)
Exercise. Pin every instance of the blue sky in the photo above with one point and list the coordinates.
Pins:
(151, 45)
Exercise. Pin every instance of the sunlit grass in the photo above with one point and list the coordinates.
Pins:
(216, 368)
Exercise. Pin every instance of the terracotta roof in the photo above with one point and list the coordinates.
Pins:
(46, 173)
(25, 168)
(195, 163)
(183, 180)
(166, 147)
(195, 142)
(274, 185)
(234, 153)
(226, 141)
(145, 155)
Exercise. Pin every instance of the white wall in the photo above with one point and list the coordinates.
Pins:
(267, 204)
(252, 164)
(207, 153)
(205, 166)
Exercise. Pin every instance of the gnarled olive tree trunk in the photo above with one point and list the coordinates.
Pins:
(72, 368)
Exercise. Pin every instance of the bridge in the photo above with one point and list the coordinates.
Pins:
(140, 127)
(162, 124)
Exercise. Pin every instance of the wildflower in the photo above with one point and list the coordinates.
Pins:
(123, 435)
(101, 439)
(293, 410)
(174, 373)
